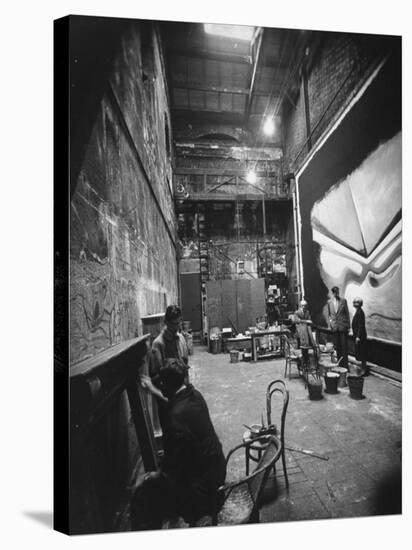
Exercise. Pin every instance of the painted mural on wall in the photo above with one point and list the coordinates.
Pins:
(122, 251)
(350, 206)
(363, 255)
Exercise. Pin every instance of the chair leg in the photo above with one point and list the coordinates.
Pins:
(284, 468)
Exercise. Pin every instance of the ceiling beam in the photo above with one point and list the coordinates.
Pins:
(184, 85)
(212, 55)
(222, 172)
(253, 74)
(206, 88)
(228, 197)
(229, 117)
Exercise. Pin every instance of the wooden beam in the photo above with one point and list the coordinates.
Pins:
(221, 172)
(206, 88)
(228, 117)
(253, 75)
(212, 55)
(222, 197)
(179, 83)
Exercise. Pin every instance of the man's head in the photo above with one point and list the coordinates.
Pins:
(173, 318)
(357, 302)
(303, 304)
(335, 291)
(172, 375)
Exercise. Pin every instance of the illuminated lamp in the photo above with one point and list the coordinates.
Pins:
(251, 177)
(269, 127)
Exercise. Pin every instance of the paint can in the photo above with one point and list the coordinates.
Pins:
(331, 382)
(342, 376)
(355, 384)
(315, 390)
(214, 345)
(234, 355)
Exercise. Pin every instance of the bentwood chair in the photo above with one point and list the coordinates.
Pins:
(253, 452)
(241, 499)
(292, 356)
(277, 388)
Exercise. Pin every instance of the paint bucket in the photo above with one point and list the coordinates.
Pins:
(355, 384)
(342, 376)
(315, 390)
(326, 367)
(247, 356)
(214, 345)
(331, 382)
(234, 355)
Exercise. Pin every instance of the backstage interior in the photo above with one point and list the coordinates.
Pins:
(239, 174)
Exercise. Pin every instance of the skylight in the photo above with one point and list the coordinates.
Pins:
(239, 32)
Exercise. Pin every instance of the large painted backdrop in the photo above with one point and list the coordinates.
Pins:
(350, 206)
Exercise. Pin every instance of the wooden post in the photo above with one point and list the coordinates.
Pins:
(142, 424)
(264, 217)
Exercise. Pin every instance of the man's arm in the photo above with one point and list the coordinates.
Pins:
(148, 385)
(346, 313)
(156, 362)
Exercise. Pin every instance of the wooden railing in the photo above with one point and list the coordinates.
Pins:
(111, 437)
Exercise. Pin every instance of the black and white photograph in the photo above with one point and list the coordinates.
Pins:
(233, 274)
(205, 253)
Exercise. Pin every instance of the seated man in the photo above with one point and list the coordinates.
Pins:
(194, 465)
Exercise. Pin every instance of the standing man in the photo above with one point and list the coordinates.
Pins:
(170, 344)
(359, 334)
(339, 323)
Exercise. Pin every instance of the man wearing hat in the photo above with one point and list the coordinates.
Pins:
(339, 323)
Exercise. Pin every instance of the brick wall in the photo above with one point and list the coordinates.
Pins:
(338, 66)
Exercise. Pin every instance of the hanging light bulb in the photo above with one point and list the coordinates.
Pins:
(269, 126)
(251, 176)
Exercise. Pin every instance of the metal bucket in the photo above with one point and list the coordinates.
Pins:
(355, 384)
(234, 355)
(342, 376)
(331, 382)
(214, 346)
(315, 391)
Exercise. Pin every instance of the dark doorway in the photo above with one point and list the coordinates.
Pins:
(190, 293)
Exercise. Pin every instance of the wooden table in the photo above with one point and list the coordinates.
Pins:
(237, 343)
(272, 353)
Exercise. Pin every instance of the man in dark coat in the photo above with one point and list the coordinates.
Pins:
(339, 323)
(194, 465)
(359, 334)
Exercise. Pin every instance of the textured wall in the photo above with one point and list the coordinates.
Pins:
(122, 251)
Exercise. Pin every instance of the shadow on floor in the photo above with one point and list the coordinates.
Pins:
(44, 518)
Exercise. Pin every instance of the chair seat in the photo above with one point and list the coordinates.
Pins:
(237, 508)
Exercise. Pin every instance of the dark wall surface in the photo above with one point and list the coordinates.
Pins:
(360, 160)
